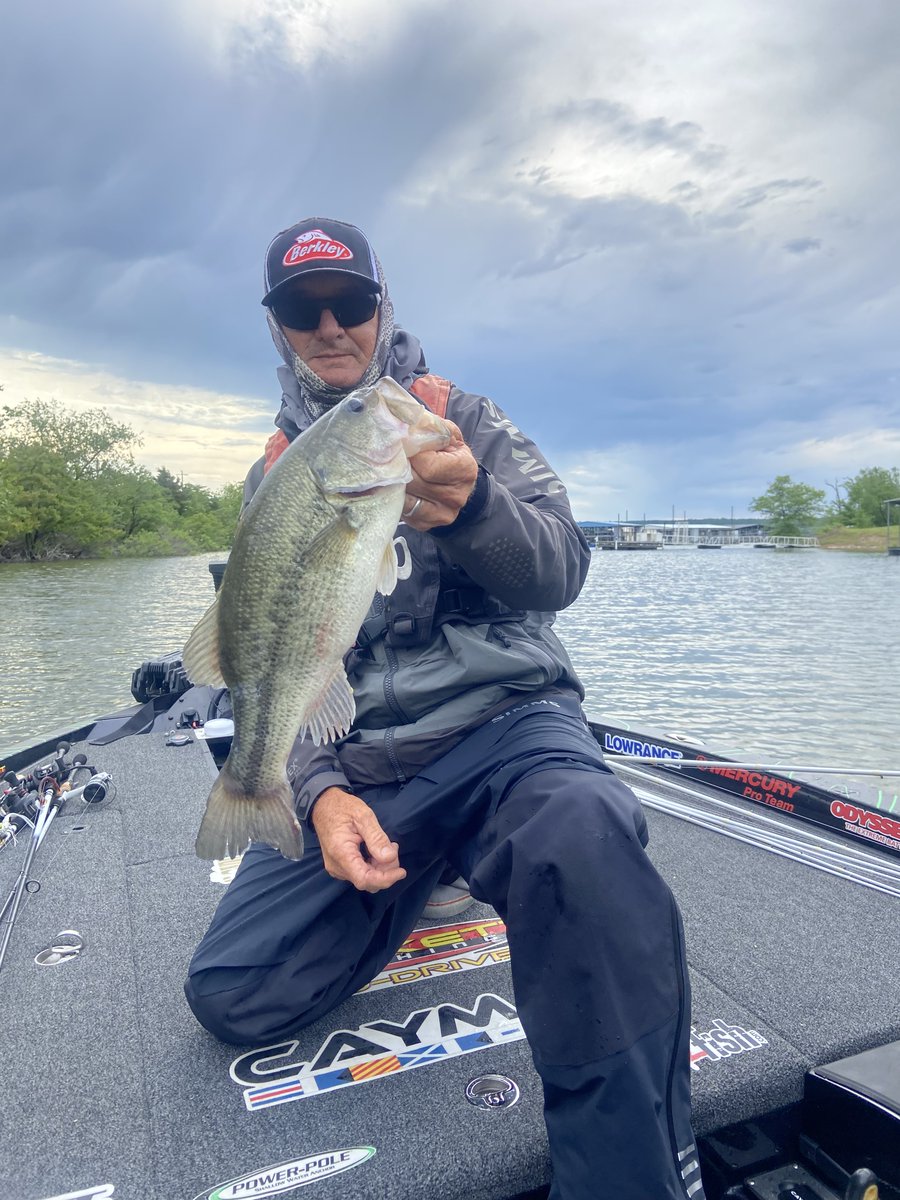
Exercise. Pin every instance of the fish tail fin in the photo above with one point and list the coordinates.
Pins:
(235, 817)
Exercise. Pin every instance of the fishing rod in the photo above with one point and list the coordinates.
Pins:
(780, 768)
(797, 851)
(48, 806)
(869, 819)
(41, 805)
(850, 849)
(773, 832)
(849, 861)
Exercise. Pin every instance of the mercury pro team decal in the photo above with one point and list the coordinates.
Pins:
(288, 1176)
(438, 950)
(722, 1041)
(348, 1057)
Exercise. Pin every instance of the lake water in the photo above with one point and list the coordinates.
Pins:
(788, 653)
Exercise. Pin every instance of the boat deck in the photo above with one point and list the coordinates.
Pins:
(112, 1090)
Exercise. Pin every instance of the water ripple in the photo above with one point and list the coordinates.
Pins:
(785, 653)
(788, 654)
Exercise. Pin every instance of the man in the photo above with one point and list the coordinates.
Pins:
(469, 747)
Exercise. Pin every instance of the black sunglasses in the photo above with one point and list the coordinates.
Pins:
(305, 312)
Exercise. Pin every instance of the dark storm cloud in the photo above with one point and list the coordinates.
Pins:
(571, 230)
(143, 181)
(616, 121)
(803, 245)
(143, 171)
(775, 189)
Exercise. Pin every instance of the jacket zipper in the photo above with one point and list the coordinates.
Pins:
(673, 1062)
(391, 698)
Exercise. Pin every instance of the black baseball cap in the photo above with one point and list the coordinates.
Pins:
(318, 244)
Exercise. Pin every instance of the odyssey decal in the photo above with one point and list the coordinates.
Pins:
(866, 823)
(348, 1057)
(287, 1176)
(438, 950)
(627, 745)
(722, 1041)
(315, 244)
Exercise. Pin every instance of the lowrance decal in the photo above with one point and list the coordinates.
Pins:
(436, 951)
(629, 745)
(272, 1075)
(287, 1176)
(722, 1040)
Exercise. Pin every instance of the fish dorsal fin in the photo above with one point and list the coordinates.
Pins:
(331, 713)
(386, 579)
(200, 657)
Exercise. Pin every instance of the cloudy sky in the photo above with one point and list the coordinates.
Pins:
(664, 238)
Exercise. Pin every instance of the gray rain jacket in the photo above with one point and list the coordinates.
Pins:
(469, 629)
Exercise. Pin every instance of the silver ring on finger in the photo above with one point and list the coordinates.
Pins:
(412, 511)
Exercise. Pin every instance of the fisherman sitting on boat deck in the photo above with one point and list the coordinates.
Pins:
(469, 747)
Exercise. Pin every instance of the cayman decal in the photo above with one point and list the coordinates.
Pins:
(272, 1074)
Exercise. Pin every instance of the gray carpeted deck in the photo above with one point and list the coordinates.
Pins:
(107, 1079)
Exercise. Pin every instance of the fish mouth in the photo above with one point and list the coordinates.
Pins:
(368, 489)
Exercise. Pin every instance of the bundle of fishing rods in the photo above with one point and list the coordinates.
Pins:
(778, 835)
(29, 802)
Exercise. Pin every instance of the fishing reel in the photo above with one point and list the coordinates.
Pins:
(21, 795)
(17, 799)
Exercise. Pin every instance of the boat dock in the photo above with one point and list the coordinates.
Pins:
(689, 535)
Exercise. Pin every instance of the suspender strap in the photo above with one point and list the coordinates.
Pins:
(433, 391)
(275, 447)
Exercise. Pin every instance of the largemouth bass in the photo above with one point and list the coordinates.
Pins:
(312, 547)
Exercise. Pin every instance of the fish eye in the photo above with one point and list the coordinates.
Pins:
(355, 405)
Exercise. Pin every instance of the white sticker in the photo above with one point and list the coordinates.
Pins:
(103, 1191)
(285, 1177)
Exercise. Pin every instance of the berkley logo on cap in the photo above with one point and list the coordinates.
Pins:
(315, 244)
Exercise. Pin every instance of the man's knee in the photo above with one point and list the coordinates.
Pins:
(243, 1008)
(575, 808)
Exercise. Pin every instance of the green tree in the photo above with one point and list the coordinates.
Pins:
(866, 494)
(69, 486)
(54, 515)
(139, 502)
(790, 507)
(90, 442)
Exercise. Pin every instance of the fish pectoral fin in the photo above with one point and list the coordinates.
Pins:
(200, 657)
(331, 713)
(386, 579)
